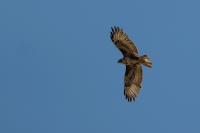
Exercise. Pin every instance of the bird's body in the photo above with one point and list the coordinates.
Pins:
(130, 61)
(133, 74)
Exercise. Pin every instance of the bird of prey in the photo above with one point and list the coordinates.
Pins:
(132, 60)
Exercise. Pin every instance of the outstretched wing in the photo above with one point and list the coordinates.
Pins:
(121, 40)
(132, 80)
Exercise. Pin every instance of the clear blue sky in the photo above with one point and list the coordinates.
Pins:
(59, 71)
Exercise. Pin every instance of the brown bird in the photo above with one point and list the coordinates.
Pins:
(133, 74)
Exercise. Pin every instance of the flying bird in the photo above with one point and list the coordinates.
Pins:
(133, 74)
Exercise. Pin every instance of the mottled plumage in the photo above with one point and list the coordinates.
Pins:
(133, 73)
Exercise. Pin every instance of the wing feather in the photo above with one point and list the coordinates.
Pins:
(122, 41)
(132, 80)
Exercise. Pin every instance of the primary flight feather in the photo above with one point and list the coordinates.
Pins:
(133, 73)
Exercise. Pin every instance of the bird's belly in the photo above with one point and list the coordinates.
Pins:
(133, 62)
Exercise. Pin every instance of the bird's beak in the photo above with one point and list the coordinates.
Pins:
(148, 64)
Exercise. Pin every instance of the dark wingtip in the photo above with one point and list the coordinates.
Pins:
(115, 28)
(130, 99)
(112, 29)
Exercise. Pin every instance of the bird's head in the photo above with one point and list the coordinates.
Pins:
(146, 61)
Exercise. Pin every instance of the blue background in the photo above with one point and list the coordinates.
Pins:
(58, 70)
